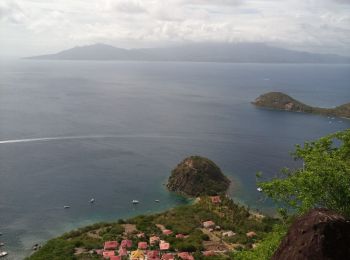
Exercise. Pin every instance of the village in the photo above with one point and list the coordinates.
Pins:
(166, 244)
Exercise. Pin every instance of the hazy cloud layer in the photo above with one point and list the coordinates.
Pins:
(30, 27)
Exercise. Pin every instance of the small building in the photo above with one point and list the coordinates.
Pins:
(251, 234)
(126, 243)
(110, 245)
(122, 251)
(208, 224)
(185, 256)
(215, 199)
(180, 236)
(154, 240)
(228, 234)
(99, 251)
(108, 253)
(164, 245)
(137, 255)
(116, 257)
(153, 255)
(142, 245)
(168, 257)
(167, 232)
(140, 235)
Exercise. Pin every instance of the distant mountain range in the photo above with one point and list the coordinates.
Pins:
(200, 52)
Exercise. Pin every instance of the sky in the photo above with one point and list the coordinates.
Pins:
(31, 27)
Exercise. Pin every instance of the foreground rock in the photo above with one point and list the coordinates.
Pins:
(281, 101)
(197, 176)
(320, 234)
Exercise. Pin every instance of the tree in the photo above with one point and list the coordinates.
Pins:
(323, 181)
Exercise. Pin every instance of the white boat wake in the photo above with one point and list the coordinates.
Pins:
(46, 139)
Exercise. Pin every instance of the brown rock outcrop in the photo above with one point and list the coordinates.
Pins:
(320, 234)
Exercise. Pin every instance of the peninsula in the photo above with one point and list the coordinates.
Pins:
(197, 176)
(281, 101)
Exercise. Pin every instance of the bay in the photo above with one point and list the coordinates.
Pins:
(75, 130)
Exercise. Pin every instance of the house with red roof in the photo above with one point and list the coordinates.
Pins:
(208, 224)
(108, 253)
(116, 257)
(167, 232)
(185, 256)
(168, 257)
(110, 245)
(142, 245)
(164, 245)
(126, 243)
(215, 199)
(153, 255)
(99, 251)
(122, 251)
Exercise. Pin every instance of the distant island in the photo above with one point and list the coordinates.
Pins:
(198, 176)
(281, 101)
(196, 52)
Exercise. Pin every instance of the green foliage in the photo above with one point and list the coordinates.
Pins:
(186, 220)
(266, 248)
(55, 249)
(324, 181)
(198, 176)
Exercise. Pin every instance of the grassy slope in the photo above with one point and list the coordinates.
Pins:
(184, 219)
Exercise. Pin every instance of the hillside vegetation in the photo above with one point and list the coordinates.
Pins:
(227, 215)
(198, 176)
(281, 101)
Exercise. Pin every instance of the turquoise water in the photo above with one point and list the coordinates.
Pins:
(113, 131)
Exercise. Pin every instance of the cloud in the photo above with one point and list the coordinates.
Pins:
(342, 1)
(306, 24)
(132, 7)
(11, 12)
(213, 3)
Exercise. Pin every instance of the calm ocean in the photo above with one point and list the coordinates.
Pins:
(113, 131)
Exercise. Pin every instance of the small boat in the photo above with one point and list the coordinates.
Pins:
(259, 189)
(3, 253)
(135, 202)
(66, 207)
(2, 244)
(157, 201)
(92, 200)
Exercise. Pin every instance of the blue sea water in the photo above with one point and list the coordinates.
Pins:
(70, 131)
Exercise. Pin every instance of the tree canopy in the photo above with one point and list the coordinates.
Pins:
(323, 181)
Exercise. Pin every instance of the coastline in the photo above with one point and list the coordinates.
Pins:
(177, 221)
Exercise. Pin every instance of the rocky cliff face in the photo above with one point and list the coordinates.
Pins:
(318, 235)
(281, 101)
(196, 176)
